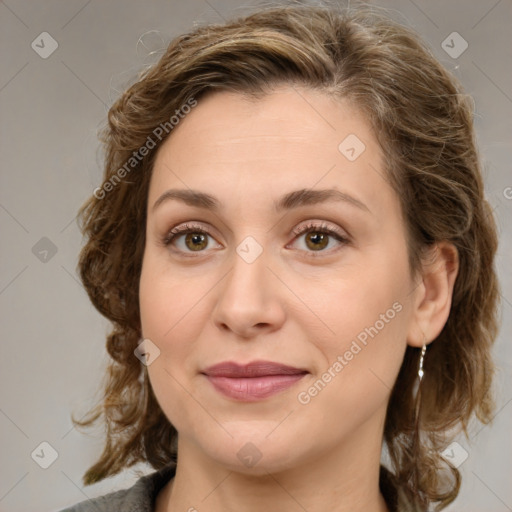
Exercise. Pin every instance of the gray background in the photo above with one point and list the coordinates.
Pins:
(52, 349)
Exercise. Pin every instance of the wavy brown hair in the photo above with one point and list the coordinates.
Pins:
(424, 124)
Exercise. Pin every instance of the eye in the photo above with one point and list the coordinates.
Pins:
(319, 236)
(194, 238)
(190, 238)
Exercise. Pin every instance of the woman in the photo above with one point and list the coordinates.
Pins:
(294, 249)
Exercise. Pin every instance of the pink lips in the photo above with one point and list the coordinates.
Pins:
(253, 381)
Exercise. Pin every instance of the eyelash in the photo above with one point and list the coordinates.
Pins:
(310, 227)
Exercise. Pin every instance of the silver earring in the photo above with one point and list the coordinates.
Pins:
(416, 435)
(421, 373)
(422, 356)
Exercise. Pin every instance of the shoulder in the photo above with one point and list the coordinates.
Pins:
(138, 498)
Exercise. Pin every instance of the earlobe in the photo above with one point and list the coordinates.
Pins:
(434, 294)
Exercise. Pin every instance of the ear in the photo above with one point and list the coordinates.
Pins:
(433, 295)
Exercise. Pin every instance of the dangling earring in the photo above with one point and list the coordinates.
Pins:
(421, 373)
(416, 438)
(422, 356)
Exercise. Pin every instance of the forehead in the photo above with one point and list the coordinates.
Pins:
(289, 139)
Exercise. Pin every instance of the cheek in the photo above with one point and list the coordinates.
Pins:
(165, 375)
(365, 323)
(171, 311)
(370, 299)
(167, 299)
(370, 339)
(359, 366)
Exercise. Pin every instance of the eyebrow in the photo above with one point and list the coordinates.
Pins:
(295, 199)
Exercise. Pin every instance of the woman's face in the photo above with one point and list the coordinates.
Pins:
(316, 280)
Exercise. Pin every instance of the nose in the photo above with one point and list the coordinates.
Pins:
(249, 300)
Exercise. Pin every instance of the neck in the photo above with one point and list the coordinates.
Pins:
(345, 479)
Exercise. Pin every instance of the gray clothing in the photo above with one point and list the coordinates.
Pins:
(138, 498)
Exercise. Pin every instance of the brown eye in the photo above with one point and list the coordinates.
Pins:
(319, 236)
(317, 240)
(196, 241)
(189, 239)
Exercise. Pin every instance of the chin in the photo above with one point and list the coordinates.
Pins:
(253, 452)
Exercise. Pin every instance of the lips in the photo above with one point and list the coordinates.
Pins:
(254, 381)
(254, 369)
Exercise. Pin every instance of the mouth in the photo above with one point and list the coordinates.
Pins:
(254, 381)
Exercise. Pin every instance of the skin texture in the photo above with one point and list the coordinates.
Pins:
(293, 304)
